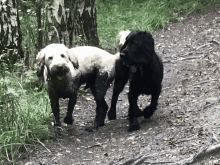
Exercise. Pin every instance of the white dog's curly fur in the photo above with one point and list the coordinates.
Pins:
(65, 70)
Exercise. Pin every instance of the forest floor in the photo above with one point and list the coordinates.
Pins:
(185, 129)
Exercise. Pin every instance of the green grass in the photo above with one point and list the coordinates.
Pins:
(116, 15)
(25, 113)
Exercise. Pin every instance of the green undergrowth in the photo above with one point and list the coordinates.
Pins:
(116, 15)
(24, 114)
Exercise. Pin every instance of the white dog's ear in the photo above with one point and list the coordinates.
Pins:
(73, 58)
(40, 62)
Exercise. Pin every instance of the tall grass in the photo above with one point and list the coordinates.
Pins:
(23, 114)
(116, 15)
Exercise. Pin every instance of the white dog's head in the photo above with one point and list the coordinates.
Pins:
(54, 61)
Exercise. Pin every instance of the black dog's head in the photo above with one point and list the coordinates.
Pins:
(138, 48)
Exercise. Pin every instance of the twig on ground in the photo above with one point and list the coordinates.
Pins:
(183, 59)
(95, 145)
(202, 46)
(202, 82)
(43, 145)
(185, 139)
(167, 61)
(199, 83)
(215, 42)
(150, 159)
(202, 151)
(190, 58)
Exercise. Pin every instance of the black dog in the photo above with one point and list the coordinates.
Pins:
(145, 74)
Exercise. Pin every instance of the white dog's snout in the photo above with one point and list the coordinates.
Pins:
(60, 66)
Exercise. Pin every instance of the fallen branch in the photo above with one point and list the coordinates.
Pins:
(201, 152)
(215, 42)
(173, 160)
(186, 139)
(190, 58)
(43, 145)
(202, 46)
(202, 82)
(198, 83)
(167, 157)
(183, 59)
(167, 61)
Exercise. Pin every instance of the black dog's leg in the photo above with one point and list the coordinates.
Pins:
(149, 111)
(133, 122)
(117, 89)
(54, 102)
(72, 101)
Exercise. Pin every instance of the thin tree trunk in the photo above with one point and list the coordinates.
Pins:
(10, 35)
(87, 21)
(39, 26)
(72, 22)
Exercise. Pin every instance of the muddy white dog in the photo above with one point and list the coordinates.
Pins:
(65, 70)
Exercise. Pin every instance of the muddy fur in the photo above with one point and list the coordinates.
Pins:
(145, 75)
(83, 64)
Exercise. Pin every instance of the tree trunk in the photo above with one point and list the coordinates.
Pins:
(39, 26)
(10, 35)
(72, 22)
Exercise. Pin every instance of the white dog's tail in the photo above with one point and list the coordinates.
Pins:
(121, 38)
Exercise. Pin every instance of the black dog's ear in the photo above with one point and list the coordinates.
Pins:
(73, 58)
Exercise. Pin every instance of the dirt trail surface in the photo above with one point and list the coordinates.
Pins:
(186, 123)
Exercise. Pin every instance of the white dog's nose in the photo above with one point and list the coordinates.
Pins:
(60, 67)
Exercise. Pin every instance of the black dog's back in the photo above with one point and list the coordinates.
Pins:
(145, 74)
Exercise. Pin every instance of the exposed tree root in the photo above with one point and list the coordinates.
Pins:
(172, 159)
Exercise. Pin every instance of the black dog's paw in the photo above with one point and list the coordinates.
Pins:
(148, 112)
(57, 121)
(112, 114)
(57, 124)
(138, 112)
(98, 123)
(134, 128)
(133, 124)
(68, 120)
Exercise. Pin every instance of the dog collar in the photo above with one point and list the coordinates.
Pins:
(133, 68)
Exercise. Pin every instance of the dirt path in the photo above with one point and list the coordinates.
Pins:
(188, 115)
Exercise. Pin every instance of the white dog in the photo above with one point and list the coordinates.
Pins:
(65, 70)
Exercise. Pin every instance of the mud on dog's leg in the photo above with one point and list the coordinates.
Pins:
(72, 102)
(101, 111)
(99, 90)
(54, 102)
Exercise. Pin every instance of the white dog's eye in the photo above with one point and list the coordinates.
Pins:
(50, 58)
(62, 55)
